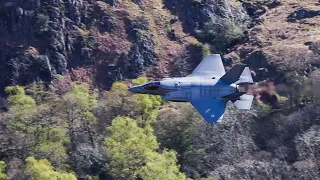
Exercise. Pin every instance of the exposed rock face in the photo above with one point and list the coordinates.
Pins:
(259, 63)
(140, 56)
(196, 13)
(184, 64)
(67, 35)
(18, 68)
(46, 26)
(114, 40)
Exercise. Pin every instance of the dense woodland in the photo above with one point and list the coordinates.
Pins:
(73, 132)
(66, 113)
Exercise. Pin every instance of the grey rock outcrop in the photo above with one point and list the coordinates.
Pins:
(44, 25)
(195, 14)
(140, 56)
(19, 69)
(59, 33)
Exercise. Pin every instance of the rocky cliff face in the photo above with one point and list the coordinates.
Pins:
(194, 14)
(282, 41)
(111, 40)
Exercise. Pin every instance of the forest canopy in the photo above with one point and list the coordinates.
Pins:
(82, 134)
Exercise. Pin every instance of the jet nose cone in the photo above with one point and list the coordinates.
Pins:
(130, 89)
(134, 89)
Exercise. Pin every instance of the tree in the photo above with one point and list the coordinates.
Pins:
(18, 99)
(3, 176)
(208, 146)
(76, 109)
(254, 169)
(222, 33)
(133, 153)
(147, 107)
(40, 93)
(171, 126)
(116, 102)
(19, 119)
(35, 129)
(52, 145)
(42, 170)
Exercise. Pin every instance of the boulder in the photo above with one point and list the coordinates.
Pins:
(254, 10)
(112, 3)
(256, 60)
(302, 14)
(274, 4)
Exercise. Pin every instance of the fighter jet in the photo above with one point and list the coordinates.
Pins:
(208, 88)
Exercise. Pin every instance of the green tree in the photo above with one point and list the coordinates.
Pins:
(76, 110)
(118, 100)
(140, 80)
(18, 101)
(42, 132)
(22, 109)
(147, 107)
(52, 145)
(221, 32)
(40, 94)
(3, 176)
(205, 49)
(133, 153)
(42, 170)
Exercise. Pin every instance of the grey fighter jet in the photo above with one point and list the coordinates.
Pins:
(208, 88)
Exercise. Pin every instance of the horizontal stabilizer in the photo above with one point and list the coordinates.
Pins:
(233, 74)
(244, 102)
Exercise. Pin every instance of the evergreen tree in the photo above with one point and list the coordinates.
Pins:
(3, 176)
(133, 153)
(42, 170)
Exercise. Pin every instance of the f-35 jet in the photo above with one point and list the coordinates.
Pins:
(208, 88)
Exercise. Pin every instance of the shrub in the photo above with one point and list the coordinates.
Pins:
(222, 33)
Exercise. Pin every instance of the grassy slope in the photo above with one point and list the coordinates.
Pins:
(283, 41)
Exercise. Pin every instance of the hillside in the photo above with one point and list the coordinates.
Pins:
(65, 66)
(99, 42)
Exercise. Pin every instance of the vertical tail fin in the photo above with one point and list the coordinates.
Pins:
(238, 74)
(233, 74)
(245, 76)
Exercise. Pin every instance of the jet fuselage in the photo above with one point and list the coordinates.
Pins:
(186, 89)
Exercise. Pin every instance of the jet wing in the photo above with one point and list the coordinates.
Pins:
(211, 65)
(211, 110)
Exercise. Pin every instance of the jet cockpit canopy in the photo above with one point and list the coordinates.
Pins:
(152, 86)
